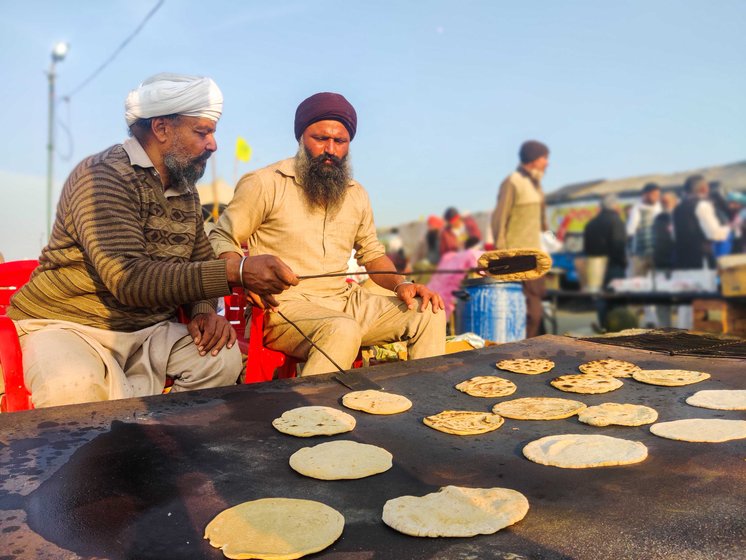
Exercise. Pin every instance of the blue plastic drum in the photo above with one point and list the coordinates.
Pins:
(492, 309)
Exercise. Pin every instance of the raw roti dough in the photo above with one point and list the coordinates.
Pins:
(487, 386)
(618, 414)
(723, 399)
(538, 408)
(341, 459)
(529, 366)
(609, 366)
(586, 383)
(275, 528)
(376, 402)
(582, 451)
(670, 377)
(307, 421)
(711, 430)
(455, 511)
(464, 422)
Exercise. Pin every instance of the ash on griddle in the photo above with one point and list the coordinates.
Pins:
(677, 342)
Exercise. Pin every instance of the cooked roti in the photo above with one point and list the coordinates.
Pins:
(487, 386)
(275, 528)
(455, 511)
(538, 408)
(609, 366)
(711, 430)
(376, 402)
(529, 366)
(582, 451)
(464, 422)
(491, 259)
(607, 414)
(670, 377)
(307, 421)
(723, 399)
(342, 459)
(586, 383)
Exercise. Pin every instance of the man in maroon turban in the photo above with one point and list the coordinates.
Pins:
(309, 211)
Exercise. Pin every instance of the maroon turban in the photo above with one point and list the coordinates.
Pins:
(532, 150)
(325, 107)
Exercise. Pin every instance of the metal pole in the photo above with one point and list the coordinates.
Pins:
(50, 148)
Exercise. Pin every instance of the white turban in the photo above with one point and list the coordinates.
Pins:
(172, 94)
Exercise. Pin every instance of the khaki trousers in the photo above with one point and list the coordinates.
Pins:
(341, 324)
(69, 363)
(534, 290)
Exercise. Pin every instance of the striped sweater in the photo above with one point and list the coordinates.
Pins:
(122, 256)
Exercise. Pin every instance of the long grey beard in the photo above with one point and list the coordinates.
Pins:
(324, 185)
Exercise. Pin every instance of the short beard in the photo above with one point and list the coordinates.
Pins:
(184, 171)
(324, 184)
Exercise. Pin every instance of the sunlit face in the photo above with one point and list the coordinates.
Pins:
(541, 164)
(652, 197)
(327, 137)
(190, 143)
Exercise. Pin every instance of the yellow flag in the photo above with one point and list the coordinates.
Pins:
(243, 150)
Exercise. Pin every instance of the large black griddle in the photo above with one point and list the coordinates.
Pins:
(140, 478)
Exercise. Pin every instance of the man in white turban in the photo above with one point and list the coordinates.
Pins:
(97, 318)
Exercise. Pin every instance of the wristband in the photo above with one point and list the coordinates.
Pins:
(240, 271)
(402, 284)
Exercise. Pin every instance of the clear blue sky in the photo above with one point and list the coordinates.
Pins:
(445, 90)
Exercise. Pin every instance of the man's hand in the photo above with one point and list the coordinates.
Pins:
(407, 293)
(265, 275)
(211, 332)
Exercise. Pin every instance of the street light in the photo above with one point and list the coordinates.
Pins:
(58, 55)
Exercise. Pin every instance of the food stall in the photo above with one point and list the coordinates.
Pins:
(141, 478)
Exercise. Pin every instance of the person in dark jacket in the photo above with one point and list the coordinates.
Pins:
(605, 236)
(663, 241)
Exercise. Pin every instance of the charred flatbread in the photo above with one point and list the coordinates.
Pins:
(528, 366)
(608, 414)
(275, 528)
(455, 511)
(463, 422)
(609, 366)
(487, 386)
(582, 451)
(543, 263)
(670, 377)
(538, 408)
(586, 383)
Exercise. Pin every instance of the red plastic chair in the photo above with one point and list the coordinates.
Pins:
(13, 275)
(261, 361)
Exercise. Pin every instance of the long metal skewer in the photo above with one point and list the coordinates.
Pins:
(311, 342)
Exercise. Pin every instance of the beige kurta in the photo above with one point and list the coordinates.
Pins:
(269, 213)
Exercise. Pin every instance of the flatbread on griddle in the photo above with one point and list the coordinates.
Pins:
(307, 421)
(582, 451)
(341, 460)
(608, 414)
(670, 377)
(528, 366)
(275, 528)
(586, 383)
(487, 386)
(609, 366)
(376, 402)
(705, 430)
(463, 422)
(721, 399)
(455, 511)
(538, 408)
